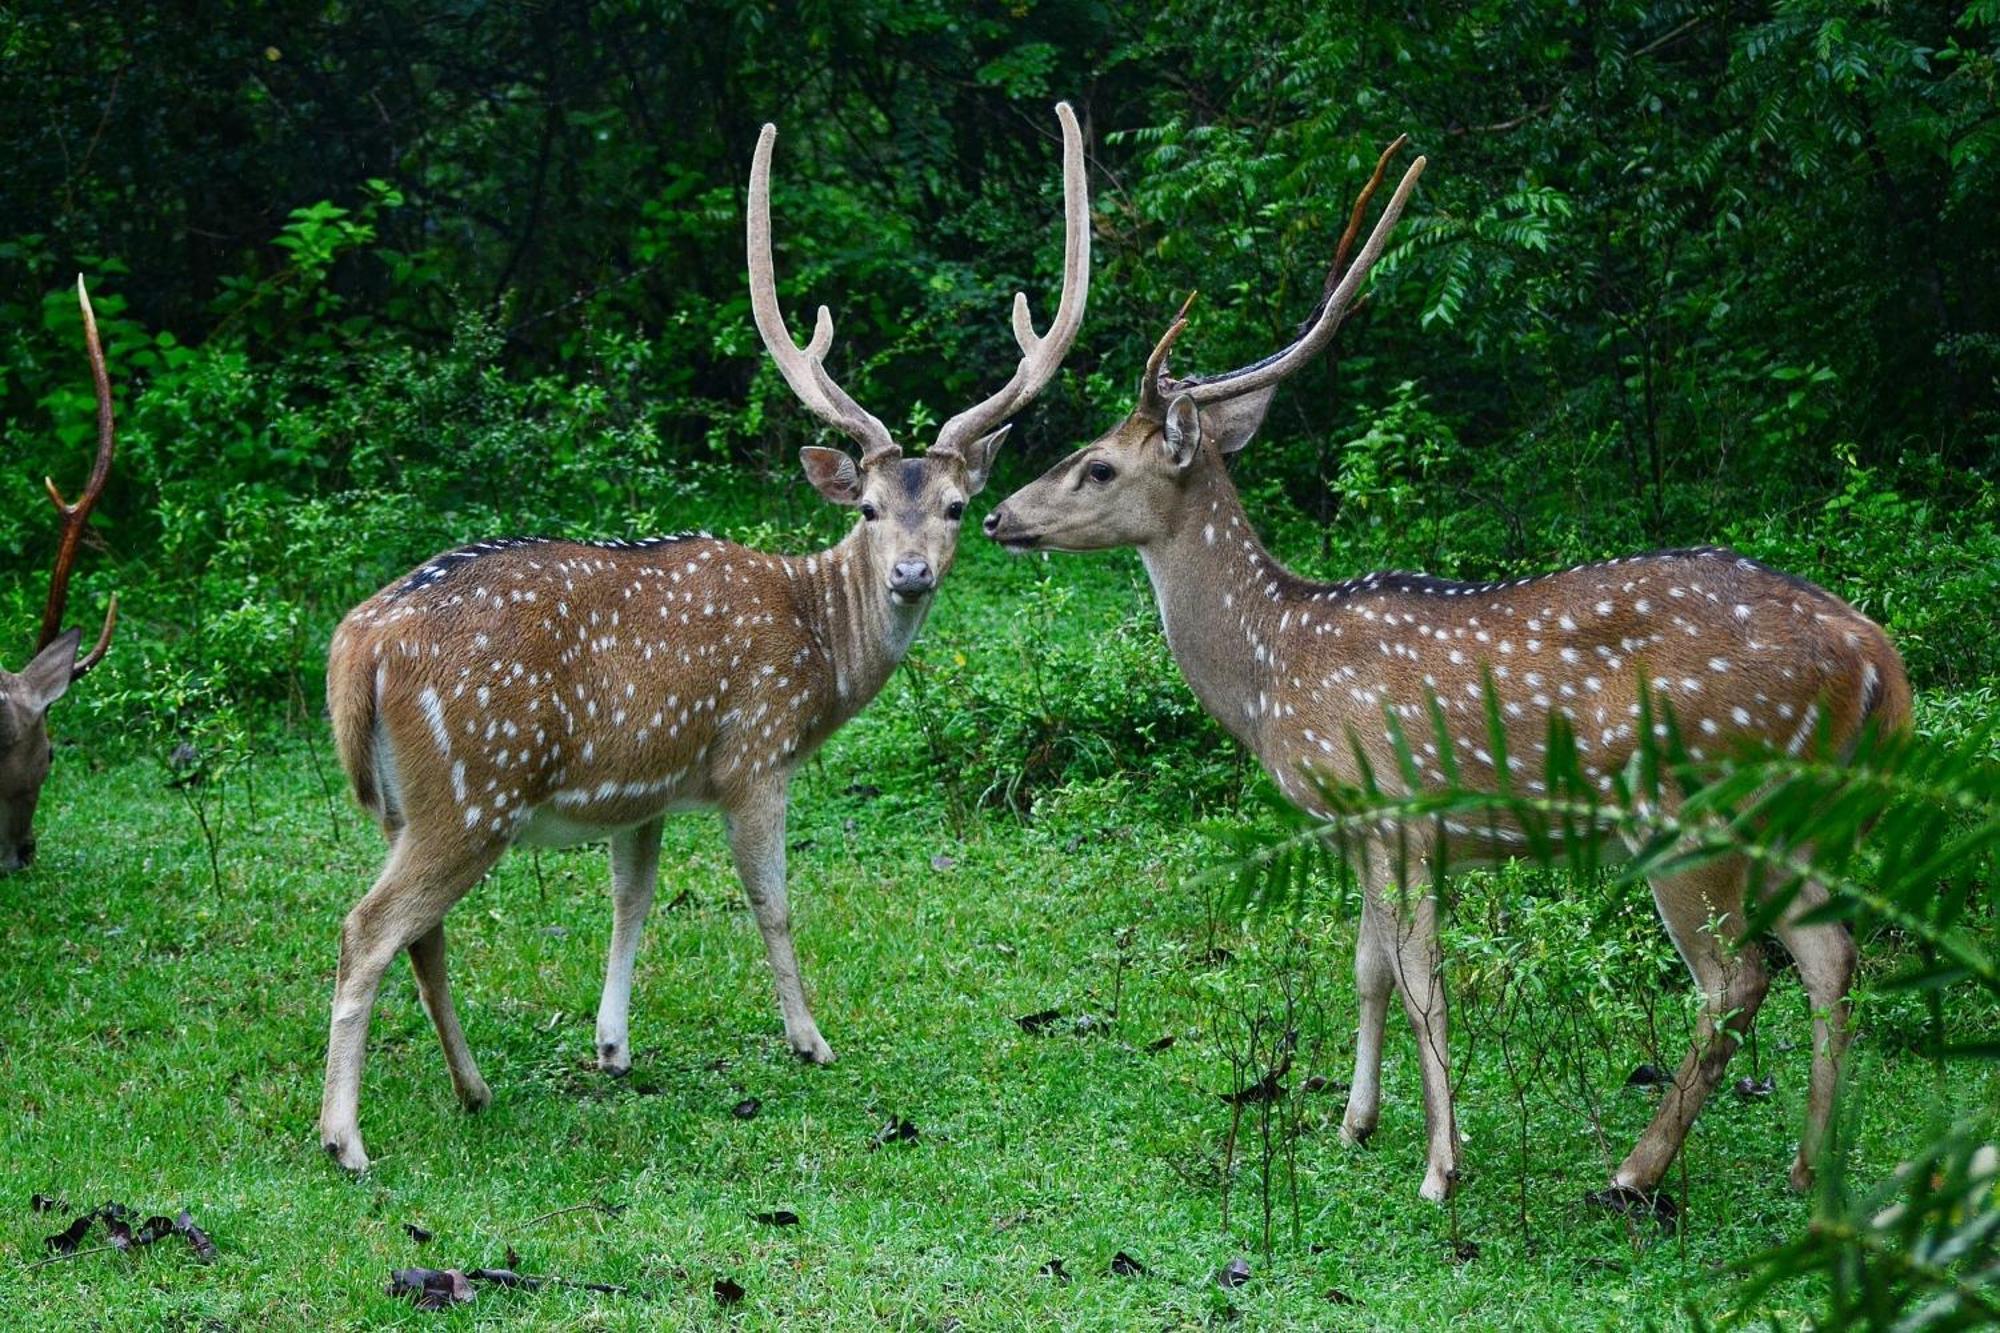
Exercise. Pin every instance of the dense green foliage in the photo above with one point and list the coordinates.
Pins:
(378, 280)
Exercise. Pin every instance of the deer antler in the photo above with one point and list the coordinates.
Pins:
(1040, 354)
(1337, 297)
(1152, 398)
(804, 368)
(74, 517)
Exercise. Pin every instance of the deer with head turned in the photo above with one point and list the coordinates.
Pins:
(545, 693)
(25, 751)
(1318, 678)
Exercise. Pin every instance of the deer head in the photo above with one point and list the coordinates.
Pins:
(910, 507)
(25, 751)
(1130, 486)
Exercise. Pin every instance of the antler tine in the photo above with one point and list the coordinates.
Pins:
(1325, 321)
(1153, 385)
(74, 517)
(1041, 354)
(804, 368)
(1359, 212)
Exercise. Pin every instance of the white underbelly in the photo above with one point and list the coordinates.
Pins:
(551, 827)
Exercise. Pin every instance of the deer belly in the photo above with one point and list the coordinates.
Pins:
(592, 814)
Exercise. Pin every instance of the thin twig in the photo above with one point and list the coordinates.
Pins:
(595, 1206)
(73, 1254)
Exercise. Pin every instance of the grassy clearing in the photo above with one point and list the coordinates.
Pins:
(161, 1045)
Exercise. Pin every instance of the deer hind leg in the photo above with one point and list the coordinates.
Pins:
(757, 838)
(416, 888)
(1703, 911)
(1825, 955)
(1374, 979)
(635, 874)
(427, 961)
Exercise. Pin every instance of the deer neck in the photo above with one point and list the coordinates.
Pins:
(861, 629)
(1220, 598)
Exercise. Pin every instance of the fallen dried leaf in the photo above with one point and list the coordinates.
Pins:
(746, 1109)
(942, 862)
(1037, 1023)
(1756, 1089)
(728, 1291)
(42, 1203)
(1339, 1297)
(66, 1240)
(1464, 1251)
(197, 1239)
(778, 1217)
(1660, 1207)
(1124, 1265)
(1265, 1089)
(1648, 1076)
(1053, 1269)
(1233, 1274)
(898, 1130)
(1164, 1043)
(416, 1233)
(1321, 1083)
(431, 1288)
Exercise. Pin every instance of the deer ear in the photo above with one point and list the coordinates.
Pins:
(49, 674)
(1233, 421)
(979, 458)
(1182, 435)
(832, 474)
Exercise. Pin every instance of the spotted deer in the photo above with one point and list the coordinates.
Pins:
(545, 693)
(1316, 677)
(25, 751)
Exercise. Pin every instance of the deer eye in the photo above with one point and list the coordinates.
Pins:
(955, 510)
(1100, 472)
(868, 512)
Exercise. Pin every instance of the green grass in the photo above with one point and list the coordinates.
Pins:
(161, 1043)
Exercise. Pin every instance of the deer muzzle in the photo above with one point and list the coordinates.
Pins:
(911, 578)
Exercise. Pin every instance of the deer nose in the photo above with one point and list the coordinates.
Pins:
(994, 520)
(911, 575)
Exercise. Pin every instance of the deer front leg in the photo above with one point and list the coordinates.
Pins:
(1374, 979)
(1418, 963)
(1825, 956)
(757, 838)
(635, 874)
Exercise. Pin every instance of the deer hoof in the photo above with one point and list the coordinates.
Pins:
(1356, 1133)
(1802, 1176)
(813, 1049)
(1438, 1185)
(346, 1150)
(475, 1096)
(614, 1058)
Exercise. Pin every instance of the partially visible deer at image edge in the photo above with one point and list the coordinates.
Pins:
(25, 749)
